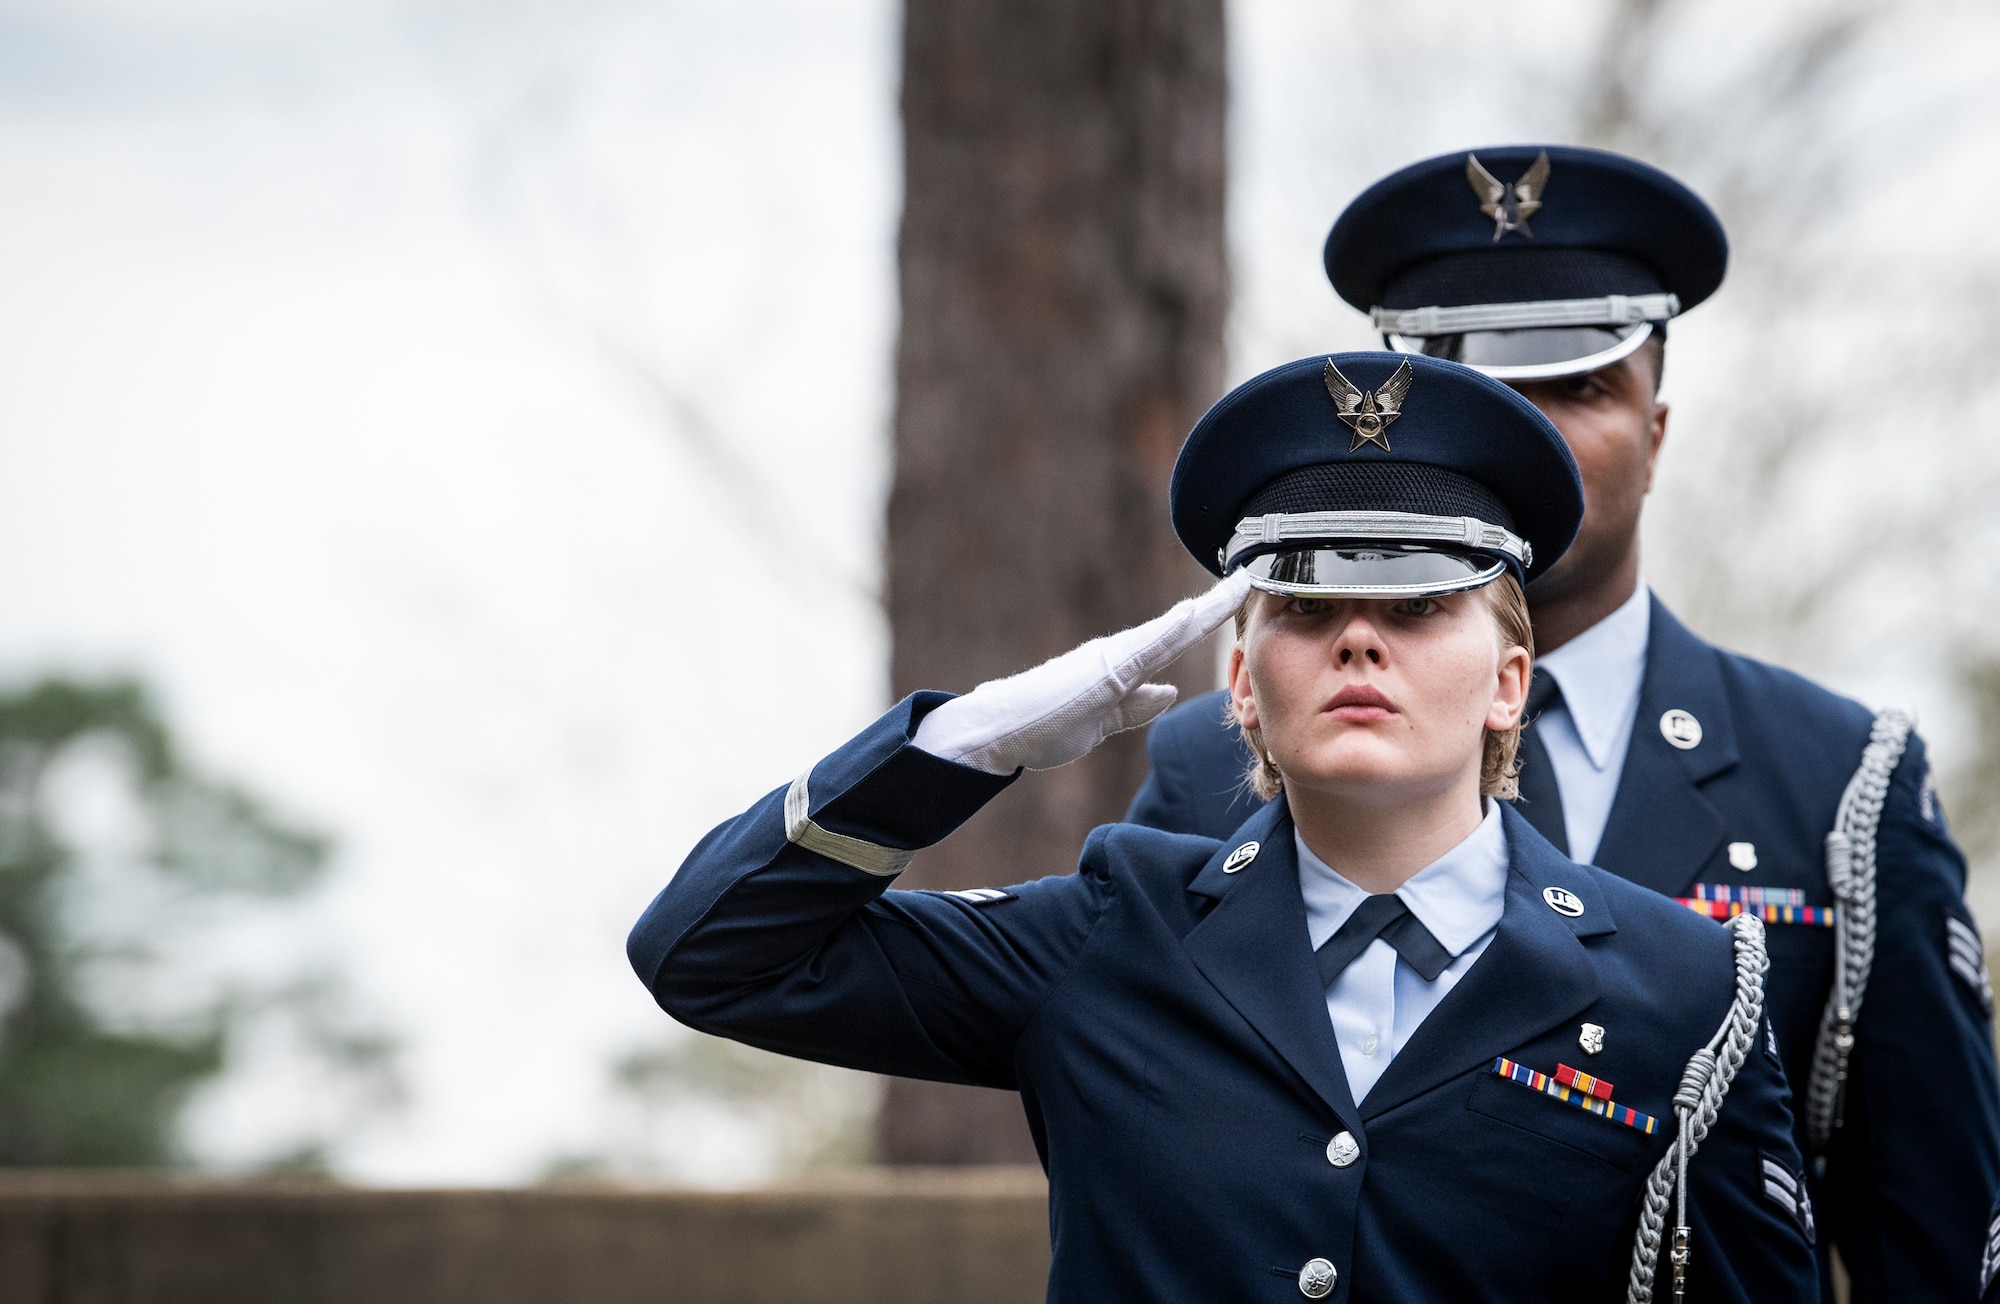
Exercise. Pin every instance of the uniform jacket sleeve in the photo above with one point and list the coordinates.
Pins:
(764, 942)
(1914, 1172)
(1746, 1243)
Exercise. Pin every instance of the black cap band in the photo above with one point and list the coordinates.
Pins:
(1379, 487)
(1518, 274)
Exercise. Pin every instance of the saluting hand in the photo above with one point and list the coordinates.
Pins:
(1060, 710)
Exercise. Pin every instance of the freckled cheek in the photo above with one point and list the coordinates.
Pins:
(1283, 671)
(1449, 688)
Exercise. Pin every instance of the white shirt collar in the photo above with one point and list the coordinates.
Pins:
(1460, 896)
(1599, 672)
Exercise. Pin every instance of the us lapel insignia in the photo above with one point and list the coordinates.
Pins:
(1510, 207)
(1681, 729)
(1368, 415)
(1240, 857)
(1563, 901)
(1591, 1039)
(1585, 1092)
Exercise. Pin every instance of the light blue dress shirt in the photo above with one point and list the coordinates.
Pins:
(1378, 1001)
(1599, 672)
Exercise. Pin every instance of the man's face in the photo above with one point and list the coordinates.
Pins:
(1614, 428)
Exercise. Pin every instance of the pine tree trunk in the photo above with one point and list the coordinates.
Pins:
(1064, 284)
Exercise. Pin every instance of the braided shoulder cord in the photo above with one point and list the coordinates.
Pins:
(1697, 1102)
(1850, 872)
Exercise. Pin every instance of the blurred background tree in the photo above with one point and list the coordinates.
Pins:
(108, 840)
(1064, 279)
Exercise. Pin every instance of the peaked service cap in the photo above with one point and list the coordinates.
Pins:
(1523, 268)
(1429, 478)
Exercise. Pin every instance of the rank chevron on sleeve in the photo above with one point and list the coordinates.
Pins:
(1578, 1095)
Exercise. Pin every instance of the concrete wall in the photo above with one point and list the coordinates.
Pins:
(967, 1236)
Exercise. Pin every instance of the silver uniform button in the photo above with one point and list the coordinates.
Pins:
(1316, 1279)
(1343, 1150)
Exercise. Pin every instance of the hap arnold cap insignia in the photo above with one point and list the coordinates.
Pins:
(1368, 415)
(1510, 207)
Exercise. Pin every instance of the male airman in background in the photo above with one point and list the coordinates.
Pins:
(1725, 782)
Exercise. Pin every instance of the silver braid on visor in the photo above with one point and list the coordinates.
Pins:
(1372, 554)
(1611, 310)
(1537, 340)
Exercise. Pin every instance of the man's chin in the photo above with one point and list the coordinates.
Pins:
(1567, 578)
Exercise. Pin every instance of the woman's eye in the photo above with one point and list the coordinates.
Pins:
(1311, 606)
(1416, 606)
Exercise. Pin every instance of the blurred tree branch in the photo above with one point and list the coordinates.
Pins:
(107, 837)
(526, 79)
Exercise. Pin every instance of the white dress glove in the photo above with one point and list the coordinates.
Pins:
(1060, 710)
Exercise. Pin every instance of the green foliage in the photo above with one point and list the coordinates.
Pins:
(80, 1083)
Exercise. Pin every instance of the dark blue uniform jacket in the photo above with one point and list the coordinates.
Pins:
(1167, 1029)
(1912, 1177)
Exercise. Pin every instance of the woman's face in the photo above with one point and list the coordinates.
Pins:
(1373, 700)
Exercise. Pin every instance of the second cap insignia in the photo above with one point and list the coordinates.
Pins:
(1510, 207)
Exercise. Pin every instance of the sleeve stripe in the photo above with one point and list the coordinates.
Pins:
(868, 857)
(1989, 1263)
(1785, 1187)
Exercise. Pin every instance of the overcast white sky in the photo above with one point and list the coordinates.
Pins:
(381, 381)
(304, 417)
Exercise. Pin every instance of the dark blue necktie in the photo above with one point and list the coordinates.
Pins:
(1541, 801)
(1384, 916)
